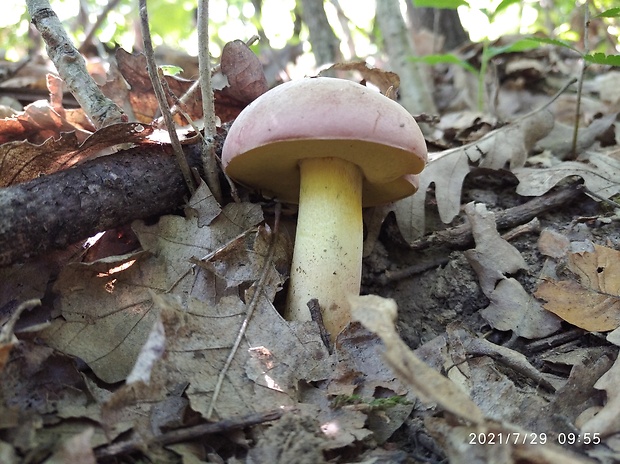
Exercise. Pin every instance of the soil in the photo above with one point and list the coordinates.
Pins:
(448, 292)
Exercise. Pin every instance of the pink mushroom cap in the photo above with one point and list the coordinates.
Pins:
(325, 117)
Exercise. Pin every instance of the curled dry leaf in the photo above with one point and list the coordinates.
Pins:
(246, 79)
(493, 257)
(607, 421)
(447, 169)
(37, 123)
(600, 172)
(591, 300)
(511, 307)
(386, 81)
(23, 161)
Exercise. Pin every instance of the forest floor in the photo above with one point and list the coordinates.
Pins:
(163, 341)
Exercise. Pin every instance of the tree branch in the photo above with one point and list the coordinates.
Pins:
(161, 97)
(72, 67)
(209, 160)
(54, 211)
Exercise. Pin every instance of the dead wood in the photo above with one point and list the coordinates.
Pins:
(189, 433)
(54, 211)
(460, 236)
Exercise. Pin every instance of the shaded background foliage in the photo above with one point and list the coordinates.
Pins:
(291, 22)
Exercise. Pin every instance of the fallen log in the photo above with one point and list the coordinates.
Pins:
(57, 210)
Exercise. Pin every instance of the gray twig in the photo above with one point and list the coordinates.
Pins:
(161, 98)
(72, 67)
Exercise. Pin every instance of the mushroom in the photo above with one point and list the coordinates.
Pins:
(333, 147)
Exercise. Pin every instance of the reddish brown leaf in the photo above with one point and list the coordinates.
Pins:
(141, 95)
(36, 124)
(246, 79)
(22, 161)
(384, 80)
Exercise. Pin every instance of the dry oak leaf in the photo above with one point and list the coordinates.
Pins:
(141, 95)
(493, 256)
(385, 81)
(107, 311)
(39, 122)
(591, 300)
(447, 169)
(23, 161)
(511, 307)
(600, 172)
(560, 139)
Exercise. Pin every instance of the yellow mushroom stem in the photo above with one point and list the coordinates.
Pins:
(327, 258)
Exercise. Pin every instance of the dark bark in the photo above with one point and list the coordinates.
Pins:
(448, 24)
(54, 211)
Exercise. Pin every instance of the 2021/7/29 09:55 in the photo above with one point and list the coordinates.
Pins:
(532, 438)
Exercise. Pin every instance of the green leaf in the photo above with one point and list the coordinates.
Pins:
(445, 58)
(171, 70)
(601, 58)
(559, 43)
(611, 13)
(518, 46)
(440, 4)
(504, 4)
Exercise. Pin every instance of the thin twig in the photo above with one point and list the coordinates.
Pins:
(554, 341)
(209, 160)
(178, 107)
(521, 229)
(409, 271)
(596, 196)
(161, 98)
(251, 306)
(72, 68)
(189, 433)
(584, 66)
(6, 332)
(94, 27)
(180, 102)
(317, 316)
(460, 236)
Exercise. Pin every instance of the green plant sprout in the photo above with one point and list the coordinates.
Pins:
(527, 43)
(488, 51)
(587, 58)
(170, 69)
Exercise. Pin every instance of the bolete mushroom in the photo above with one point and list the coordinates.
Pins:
(333, 146)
